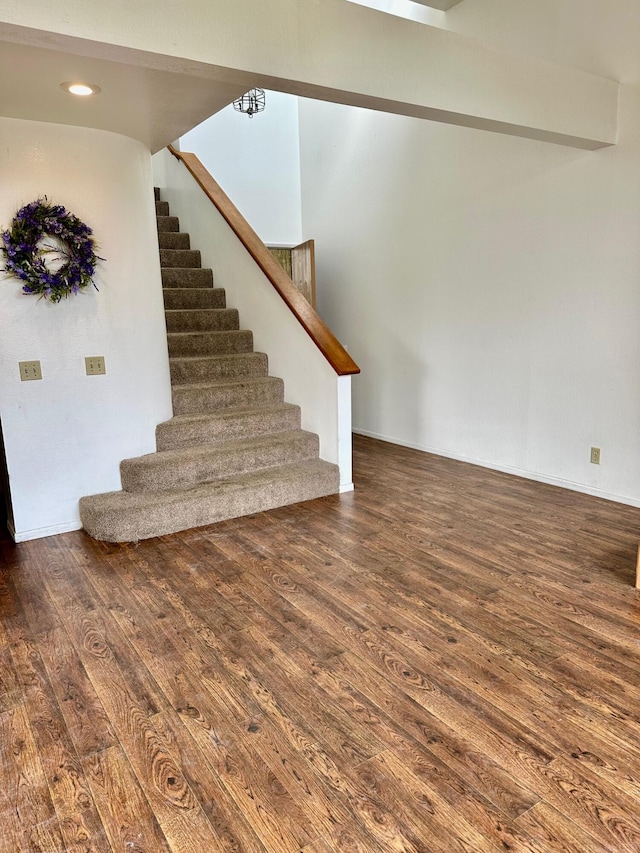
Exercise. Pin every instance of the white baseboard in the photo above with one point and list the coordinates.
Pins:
(346, 487)
(41, 532)
(508, 469)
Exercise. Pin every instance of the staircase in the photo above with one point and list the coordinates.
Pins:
(233, 447)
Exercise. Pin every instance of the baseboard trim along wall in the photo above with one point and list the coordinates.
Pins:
(507, 469)
(41, 532)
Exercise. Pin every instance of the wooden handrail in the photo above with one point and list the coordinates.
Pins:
(320, 334)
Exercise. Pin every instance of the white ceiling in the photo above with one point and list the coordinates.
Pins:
(153, 104)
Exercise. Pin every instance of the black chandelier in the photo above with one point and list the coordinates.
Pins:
(251, 102)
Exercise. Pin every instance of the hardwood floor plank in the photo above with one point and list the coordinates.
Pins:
(102, 648)
(232, 830)
(521, 608)
(189, 832)
(421, 806)
(375, 824)
(204, 655)
(10, 693)
(79, 822)
(554, 831)
(594, 804)
(83, 712)
(258, 793)
(320, 845)
(57, 753)
(26, 809)
(445, 698)
(128, 820)
(395, 717)
(150, 643)
(104, 652)
(415, 771)
(191, 585)
(287, 695)
(282, 750)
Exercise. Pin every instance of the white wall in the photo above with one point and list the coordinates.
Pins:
(489, 286)
(66, 435)
(257, 163)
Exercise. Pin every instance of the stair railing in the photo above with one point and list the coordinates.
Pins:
(318, 331)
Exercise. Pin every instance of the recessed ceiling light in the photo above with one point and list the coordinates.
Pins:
(82, 89)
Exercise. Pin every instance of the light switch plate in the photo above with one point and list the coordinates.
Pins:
(29, 370)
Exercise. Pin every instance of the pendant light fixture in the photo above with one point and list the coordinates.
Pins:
(251, 102)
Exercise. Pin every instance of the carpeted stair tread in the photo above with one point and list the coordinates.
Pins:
(186, 277)
(226, 425)
(212, 368)
(226, 394)
(173, 240)
(167, 223)
(193, 297)
(130, 516)
(209, 343)
(180, 258)
(162, 208)
(191, 466)
(202, 320)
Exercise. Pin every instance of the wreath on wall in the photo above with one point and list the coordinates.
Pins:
(50, 250)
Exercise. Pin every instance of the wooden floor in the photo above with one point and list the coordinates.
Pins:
(446, 660)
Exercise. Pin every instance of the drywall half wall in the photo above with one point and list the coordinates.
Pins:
(66, 434)
(257, 163)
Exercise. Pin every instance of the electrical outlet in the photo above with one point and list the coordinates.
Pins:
(595, 456)
(29, 370)
(94, 365)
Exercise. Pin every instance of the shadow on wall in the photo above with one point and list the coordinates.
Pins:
(5, 498)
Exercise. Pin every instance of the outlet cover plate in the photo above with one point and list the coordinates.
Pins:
(29, 370)
(94, 365)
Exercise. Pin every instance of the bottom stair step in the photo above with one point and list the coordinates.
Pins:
(130, 516)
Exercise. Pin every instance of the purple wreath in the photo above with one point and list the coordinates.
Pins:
(25, 252)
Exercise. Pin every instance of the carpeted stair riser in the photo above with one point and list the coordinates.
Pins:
(168, 223)
(216, 367)
(156, 193)
(226, 425)
(162, 208)
(173, 240)
(130, 516)
(184, 258)
(192, 466)
(207, 320)
(187, 277)
(189, 399)
(209, 343)
(193, 297)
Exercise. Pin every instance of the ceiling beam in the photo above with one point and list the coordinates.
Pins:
(333, 51)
